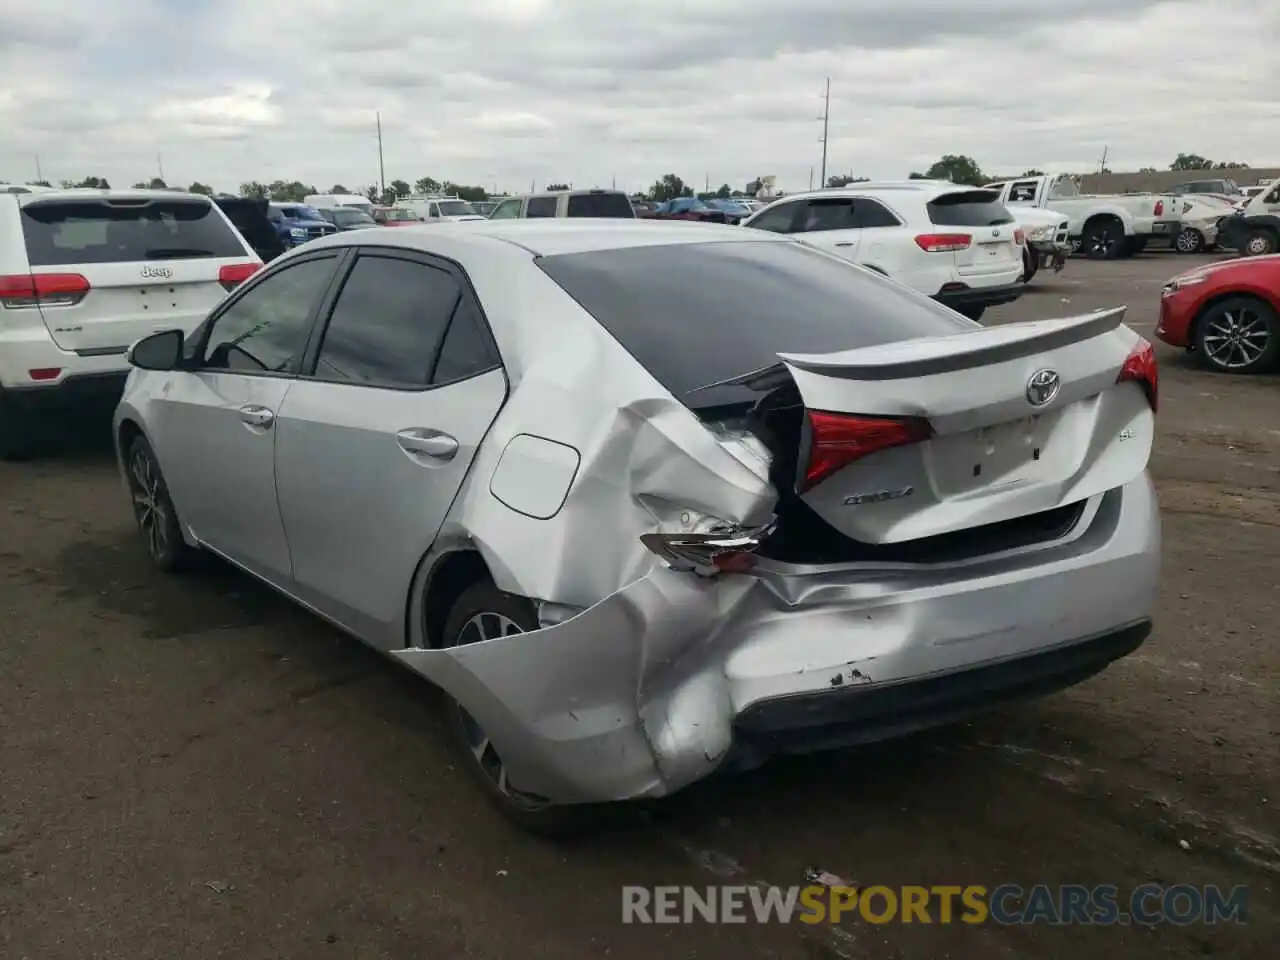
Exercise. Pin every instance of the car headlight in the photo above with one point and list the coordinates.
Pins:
(1040, 234)
(1181, 283)
(297, 232)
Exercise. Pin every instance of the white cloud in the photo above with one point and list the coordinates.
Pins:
(514, 91)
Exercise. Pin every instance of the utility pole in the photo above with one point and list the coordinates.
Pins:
(39, 175)
(707, 184)
(1102, 164)
(811, 178)
(160, 167)
(826, 119)
(382, 170)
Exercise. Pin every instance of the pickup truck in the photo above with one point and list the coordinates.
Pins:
(1103, 226)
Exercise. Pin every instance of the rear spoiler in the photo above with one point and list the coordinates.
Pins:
(962, 351)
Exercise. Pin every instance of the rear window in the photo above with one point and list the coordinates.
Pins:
(972, 208)
(693, 314)
(64, 232)
(600, 205)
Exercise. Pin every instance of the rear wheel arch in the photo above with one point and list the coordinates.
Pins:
(128, 432)
(438, 584)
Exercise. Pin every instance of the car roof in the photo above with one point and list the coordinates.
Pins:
(551, 236)
(94, 193)
(924, 189)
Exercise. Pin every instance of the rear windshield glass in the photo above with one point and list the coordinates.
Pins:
(95, 231)
(973, 208)
(600, 205)
(693, 314)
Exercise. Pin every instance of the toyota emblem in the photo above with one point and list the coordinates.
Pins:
(1043, 387)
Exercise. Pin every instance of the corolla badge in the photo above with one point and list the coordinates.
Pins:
(1043, 387)
(156, 273)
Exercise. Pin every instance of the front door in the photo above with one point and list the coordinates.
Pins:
(828, 223)
(216, 423)
(374, 440)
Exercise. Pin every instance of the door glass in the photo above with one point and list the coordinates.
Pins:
(834, 213)
(776, 220)
(506, 210)
(870, 213)
(467, 349)
(387, 324)
(265, 329)
(542, 206)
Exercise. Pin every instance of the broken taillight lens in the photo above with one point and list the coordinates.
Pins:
(1140, 367)
(708, 554)
(838, 439)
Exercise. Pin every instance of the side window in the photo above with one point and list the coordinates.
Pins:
(872, 213)
(835, 213)
(776, 219)
(542, 206)
(466, 350)
(387, 323)
(506, 210)
(266, 329)
(1023, 192)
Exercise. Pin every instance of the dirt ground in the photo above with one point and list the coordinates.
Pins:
(194, 768)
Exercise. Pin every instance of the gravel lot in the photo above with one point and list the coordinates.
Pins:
(193, 767)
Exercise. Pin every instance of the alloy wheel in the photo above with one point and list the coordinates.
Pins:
(150, 505)
(1258, 245)
(1236, 338)
(481, 627)
(1103, 241)
(1189, 241)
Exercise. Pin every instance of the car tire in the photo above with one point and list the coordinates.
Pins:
(1030, 265)
(1221, 344)
(1189, 240)
(483, 612)
(153, 509)
(17, 438)
(1260, 243)
(1103, 239)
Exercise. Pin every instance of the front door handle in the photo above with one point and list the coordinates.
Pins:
(845, 243)
(256, 416)
(423, 442)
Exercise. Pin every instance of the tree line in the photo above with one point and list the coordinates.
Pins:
(958, 168)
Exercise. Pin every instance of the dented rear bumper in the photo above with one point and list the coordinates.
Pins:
(661, 683)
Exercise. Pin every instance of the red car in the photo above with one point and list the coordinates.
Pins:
(1228, 314)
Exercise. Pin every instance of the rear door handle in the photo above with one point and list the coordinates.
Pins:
(424, 442)
(845, 243)
(256, 416)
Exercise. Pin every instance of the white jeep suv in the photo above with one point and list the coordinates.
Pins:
(956, 244)
(83, 274)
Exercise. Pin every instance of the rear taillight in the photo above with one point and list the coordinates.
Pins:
(1159, 209)
(838, 439)
(1019, 237)
(26, 290)
(1140, 367)
(234, 274)
(943, 242)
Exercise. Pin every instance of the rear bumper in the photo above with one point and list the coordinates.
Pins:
(979, 296)
(1166, 230)
(75, 390)
(1050, 253)
(89, 376)
(673, 677)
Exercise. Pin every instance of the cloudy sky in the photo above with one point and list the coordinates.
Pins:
(510, 92)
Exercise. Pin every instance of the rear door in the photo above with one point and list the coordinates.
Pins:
(980, 232)
(375, 439)
(147, 264)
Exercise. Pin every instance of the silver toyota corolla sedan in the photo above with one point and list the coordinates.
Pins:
(653, 500)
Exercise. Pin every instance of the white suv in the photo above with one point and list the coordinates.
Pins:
(956, 244)
(606, 204)
(84, 274)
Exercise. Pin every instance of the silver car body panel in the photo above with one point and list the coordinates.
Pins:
(633, 687)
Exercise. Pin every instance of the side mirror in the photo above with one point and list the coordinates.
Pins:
(160, 351)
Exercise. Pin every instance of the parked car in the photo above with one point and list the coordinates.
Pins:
(956, 244)
(250, 217)
(1103, 226)
(437, 209)
(1254, 230)
(395, 217)
(1047, 236)
(689, 208)
(644, 208)
(733, 210)
(297, 223)
(1201, 215)
(85, 273)
(586, 204)
(483, 207)
(1227, 314)
(1221, 186)
(348, 218)
(328, 201)
(808, 509)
